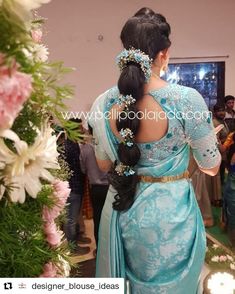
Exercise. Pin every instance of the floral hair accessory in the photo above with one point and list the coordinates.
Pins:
(126, 100)
(135, 55)
(124, 170)
(128, 136)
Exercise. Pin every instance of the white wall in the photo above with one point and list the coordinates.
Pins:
(199, 28)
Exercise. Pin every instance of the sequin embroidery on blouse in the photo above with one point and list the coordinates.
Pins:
(178, 103)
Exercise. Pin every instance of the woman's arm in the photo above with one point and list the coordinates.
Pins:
(201, 133)
(211, 171)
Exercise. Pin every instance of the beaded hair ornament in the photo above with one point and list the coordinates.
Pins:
(124, 170)
(135, 55)
(127, 100)
(127, 136)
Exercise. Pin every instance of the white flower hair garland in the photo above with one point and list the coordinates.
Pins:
(137, 56)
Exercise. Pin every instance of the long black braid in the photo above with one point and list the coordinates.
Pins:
(148, 32)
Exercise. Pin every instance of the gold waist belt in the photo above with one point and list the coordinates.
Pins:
(165, 179)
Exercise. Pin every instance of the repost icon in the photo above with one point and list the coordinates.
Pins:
(8, 286)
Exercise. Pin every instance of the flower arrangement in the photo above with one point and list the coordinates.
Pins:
(15, 88)
(33, 187)
(221, 262)
(218, 258)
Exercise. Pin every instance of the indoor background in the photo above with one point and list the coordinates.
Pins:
(85, 35)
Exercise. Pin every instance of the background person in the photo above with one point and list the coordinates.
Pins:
(219, 119)
(229, 195)
(76, 184)
(230, 113)
(98, 181)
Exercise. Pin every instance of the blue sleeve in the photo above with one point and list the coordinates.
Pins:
(199, 129)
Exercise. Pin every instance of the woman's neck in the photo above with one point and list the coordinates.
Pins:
(155, 82)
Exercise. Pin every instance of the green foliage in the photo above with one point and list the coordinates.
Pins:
(64, 173)
(23, 123)
(12, 31)
(73, 130)
(49, 94)
(24, 249)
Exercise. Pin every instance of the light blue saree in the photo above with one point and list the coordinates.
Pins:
(158, 245)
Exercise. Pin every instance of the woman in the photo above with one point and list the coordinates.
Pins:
(151, 230)
(229, 195)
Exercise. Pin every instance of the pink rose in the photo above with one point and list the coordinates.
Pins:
(49, 271)
(15, 88)
(37, 35)
(222, 258)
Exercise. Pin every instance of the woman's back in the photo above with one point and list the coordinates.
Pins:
(151, 203)
(150, 112)
(156, 256)
(174, 116)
